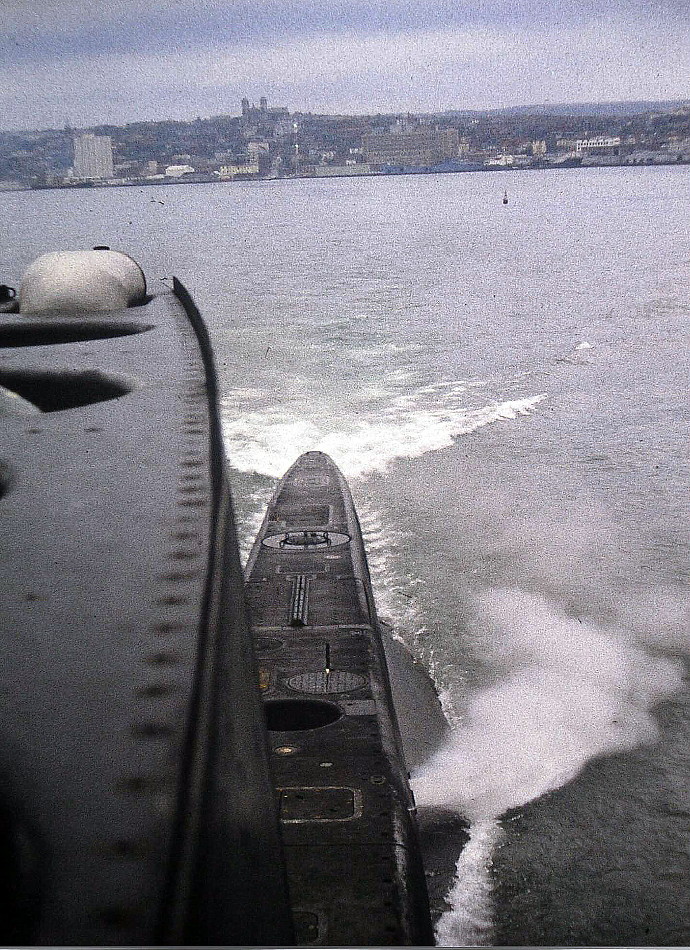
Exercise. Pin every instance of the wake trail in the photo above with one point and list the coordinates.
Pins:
(470, 922)
(266, 439)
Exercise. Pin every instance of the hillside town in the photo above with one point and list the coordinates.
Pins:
(265, 141)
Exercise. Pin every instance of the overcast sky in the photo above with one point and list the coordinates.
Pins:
(90, 61)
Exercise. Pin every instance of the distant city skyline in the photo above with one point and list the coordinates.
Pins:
(86, 62)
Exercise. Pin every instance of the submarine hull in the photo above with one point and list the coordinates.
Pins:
(350, 839)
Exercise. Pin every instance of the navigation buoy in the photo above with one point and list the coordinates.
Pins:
(505, 197)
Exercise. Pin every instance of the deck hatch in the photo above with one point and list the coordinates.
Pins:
(299, 601)
(308, 803)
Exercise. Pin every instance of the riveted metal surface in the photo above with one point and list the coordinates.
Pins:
(111, 518)
(93, 725)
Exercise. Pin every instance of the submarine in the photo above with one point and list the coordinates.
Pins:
(350, 840)
(186, 757)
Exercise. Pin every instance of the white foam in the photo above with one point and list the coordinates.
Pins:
(571, 691)
(395, 591)
(268, 440)
(470, 921)
(248, 527)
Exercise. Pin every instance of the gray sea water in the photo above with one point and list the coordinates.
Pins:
(505, 388)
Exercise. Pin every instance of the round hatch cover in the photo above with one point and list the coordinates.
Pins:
(337, 681)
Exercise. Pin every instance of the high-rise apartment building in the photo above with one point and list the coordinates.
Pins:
(93, 156)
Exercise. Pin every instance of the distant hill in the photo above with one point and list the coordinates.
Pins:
(613, 109)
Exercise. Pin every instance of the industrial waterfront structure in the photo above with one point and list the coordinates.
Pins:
(419, 146)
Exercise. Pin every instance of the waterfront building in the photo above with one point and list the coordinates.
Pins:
(93, 156)
(418, 147)
(600, 144)
(239, 169)
(177, 171)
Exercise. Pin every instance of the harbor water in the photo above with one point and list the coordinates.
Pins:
(505, 388)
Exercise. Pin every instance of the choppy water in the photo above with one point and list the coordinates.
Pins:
(506, 390)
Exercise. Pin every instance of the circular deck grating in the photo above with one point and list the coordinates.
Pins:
(336, 681)
(307, 540)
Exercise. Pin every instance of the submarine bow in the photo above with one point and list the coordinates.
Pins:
(347, 812)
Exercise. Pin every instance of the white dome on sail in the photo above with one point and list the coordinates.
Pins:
(100, 279)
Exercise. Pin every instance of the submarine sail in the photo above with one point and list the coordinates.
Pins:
(136, 806)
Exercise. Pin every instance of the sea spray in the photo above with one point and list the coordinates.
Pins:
(567, 690)
(571, 691)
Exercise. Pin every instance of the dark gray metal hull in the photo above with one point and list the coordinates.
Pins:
(354, 869)
(135, 800)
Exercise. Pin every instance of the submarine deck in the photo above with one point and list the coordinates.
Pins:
(350, 840)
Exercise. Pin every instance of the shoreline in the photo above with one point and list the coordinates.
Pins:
(206, 180)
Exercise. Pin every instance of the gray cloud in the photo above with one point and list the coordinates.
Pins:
(127, 59)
